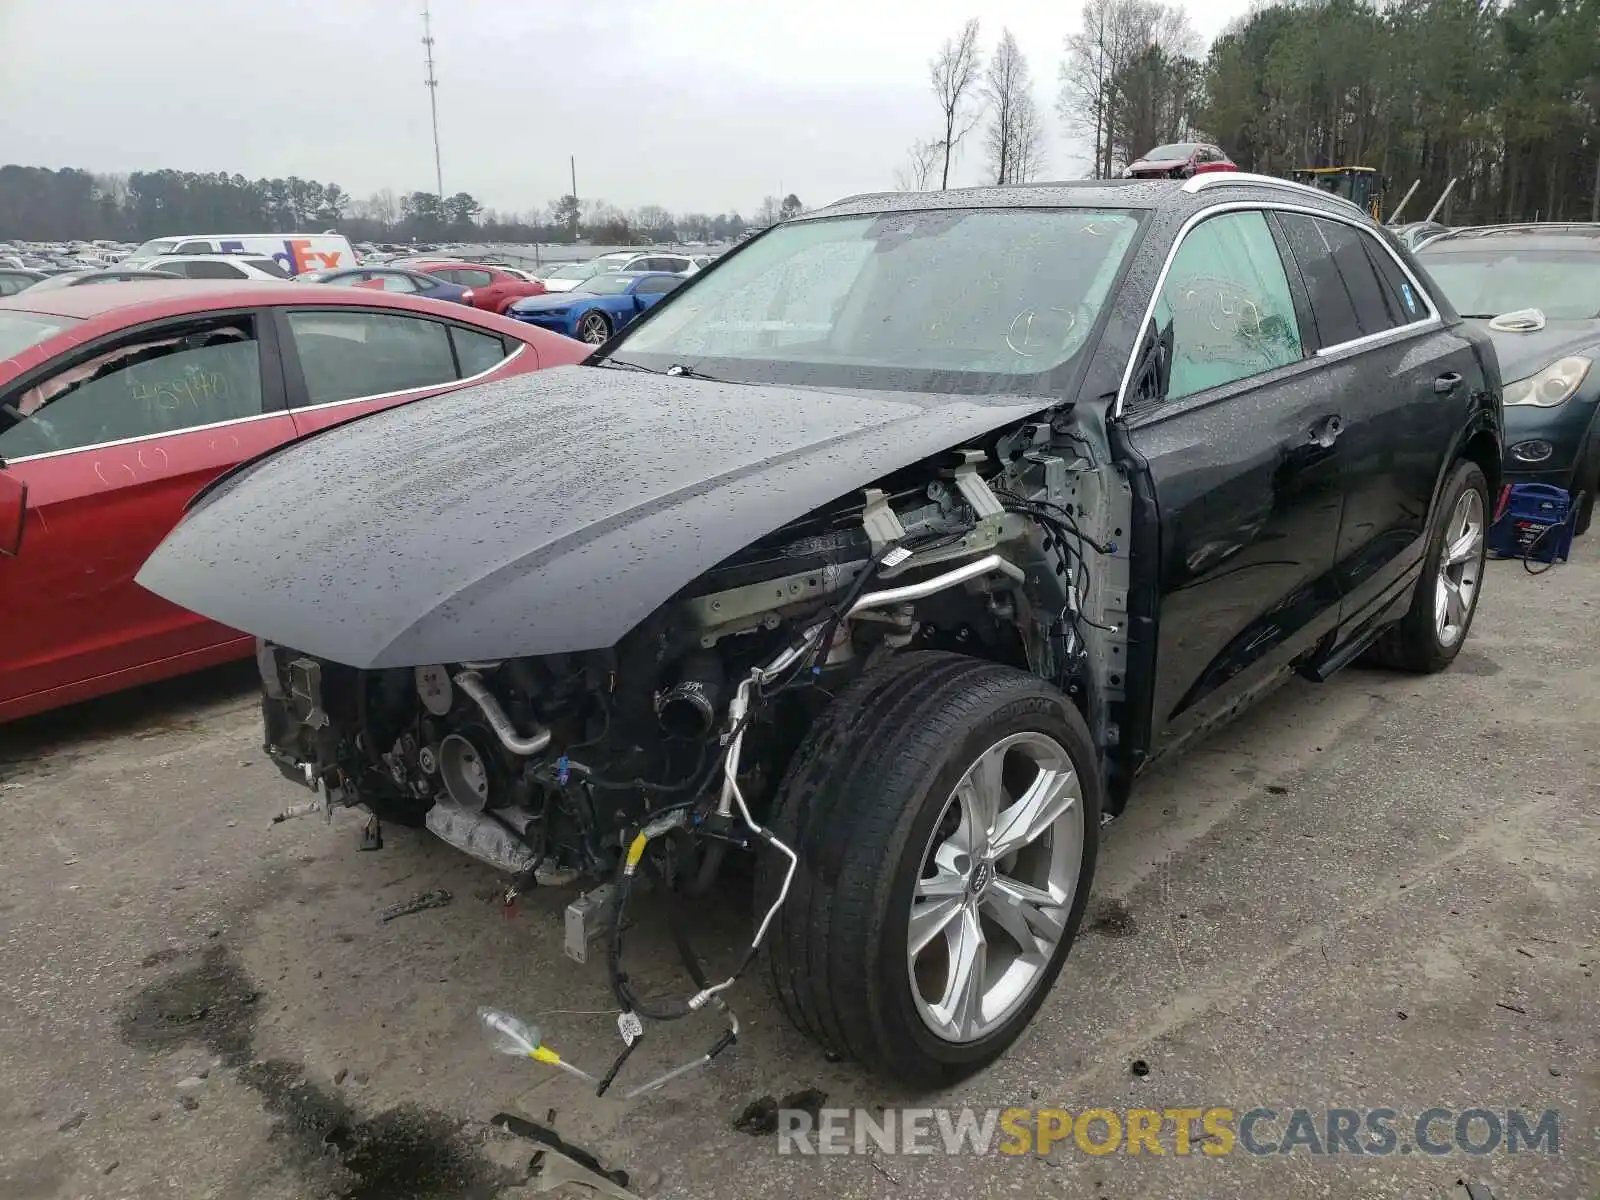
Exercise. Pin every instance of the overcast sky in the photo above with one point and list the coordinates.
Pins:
(704, 105)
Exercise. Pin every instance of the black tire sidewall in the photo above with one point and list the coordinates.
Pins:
(1036, 712)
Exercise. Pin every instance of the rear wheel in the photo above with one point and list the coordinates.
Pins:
(1431, 633)
(946, 814)
(594, 328)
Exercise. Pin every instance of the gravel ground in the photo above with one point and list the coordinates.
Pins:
(1379, 892)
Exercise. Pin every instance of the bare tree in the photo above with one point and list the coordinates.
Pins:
(953, 73)
(915, 175)
(1115, 35)
(1013, 138)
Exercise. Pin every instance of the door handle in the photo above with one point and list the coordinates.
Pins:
(1447, 383)
(1326, 431)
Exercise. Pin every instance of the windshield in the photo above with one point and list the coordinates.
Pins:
(19, 330)
(574, 271)
(607, 285)
(1485, 282)
(1176, 150)
(157, 246)
(968, 301)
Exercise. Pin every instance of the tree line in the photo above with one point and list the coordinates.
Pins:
(1502, 96)
(40, 204)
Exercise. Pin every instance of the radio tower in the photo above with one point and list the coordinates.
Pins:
(433, 96)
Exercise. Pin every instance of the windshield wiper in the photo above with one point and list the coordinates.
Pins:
(690, 373)
(618, 364)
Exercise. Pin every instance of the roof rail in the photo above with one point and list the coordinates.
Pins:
(1210, 179)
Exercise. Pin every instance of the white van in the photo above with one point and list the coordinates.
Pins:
(296, 252)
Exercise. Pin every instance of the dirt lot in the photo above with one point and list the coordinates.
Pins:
(1384, 891)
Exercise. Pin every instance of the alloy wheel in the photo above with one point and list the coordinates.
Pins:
(997, 882)
(1460, 569)
(593, 329)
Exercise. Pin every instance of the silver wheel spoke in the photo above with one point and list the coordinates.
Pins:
(1455, 608)
(1464, 548)
(1029, 916)
(962, 1003)
(1441, 606)
(1051, 794)
(932, 917)
(980, 795)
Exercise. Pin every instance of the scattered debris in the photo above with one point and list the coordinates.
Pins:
(188, 1103)
(72, 1122)
(1556, 1071)
(426, 900)
(1113, 919)
(559, 1161)
(758, 1118)
(1275, 789)
(1140, 1068)
(1400, 1013)
(1524, 953)
(1477, 1191)
(882, 1170)
(339, 1075)
(111, 1166)
(1510, 1007)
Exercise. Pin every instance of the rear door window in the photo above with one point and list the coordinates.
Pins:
(1226, 308)
(351, 355)
(270, 265)
(1409, 304)
(1349, 298)
(476, 352)
(200, 373)
(472, 279)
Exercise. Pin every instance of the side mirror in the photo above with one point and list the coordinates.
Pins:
(13, 508)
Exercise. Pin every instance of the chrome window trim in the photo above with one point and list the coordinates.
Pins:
(431, 387)
(1362, 223)
(147, 437)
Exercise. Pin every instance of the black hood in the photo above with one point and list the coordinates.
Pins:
(1525, 354)
(545, 513)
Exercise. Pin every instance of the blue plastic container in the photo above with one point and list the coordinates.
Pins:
(1533, 521)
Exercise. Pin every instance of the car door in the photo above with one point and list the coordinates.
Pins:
(1235, 435)
(111, 443)
(340, 363)
(1405, 383)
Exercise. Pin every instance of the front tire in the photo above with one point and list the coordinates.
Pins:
(946, 814)
(594, 328)
(1432, 632)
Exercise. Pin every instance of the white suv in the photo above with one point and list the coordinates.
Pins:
(648, 260)
(217, 266)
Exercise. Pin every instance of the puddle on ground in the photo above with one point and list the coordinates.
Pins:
(404, 1153)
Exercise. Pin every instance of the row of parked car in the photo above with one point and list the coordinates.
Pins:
(598, 296)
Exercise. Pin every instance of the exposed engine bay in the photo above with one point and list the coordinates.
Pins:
(567, 765)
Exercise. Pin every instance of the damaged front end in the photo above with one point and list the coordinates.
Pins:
(544, 767)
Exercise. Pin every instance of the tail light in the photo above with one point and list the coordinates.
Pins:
(466, 296)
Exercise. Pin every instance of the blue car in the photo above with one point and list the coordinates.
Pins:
(1552, 390)
(597, 307)
(391, 279)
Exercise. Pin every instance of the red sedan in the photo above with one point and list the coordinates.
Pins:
(493, 288)
(118, 403)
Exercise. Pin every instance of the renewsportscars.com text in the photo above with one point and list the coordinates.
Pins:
(1210, 1132)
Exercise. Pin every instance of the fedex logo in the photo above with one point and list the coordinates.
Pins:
(296, 255)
